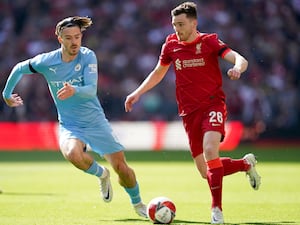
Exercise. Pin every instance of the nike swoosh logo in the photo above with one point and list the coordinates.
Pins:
(254, 183)
(107, 196)
(176, 49)
(214, 220)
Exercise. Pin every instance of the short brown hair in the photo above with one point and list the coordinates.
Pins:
(188, 8)
(82, 22)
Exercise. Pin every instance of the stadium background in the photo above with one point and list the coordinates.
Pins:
(127, 36)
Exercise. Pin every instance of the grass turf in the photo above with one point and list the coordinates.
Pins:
(42, 188)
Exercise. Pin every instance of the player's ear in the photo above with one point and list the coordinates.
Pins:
(195, 23)
(59, 39)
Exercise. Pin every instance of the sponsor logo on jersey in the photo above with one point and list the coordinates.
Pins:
(93, 68)
(188, 63)
(178, 64)
(53, 69)
(75, 81)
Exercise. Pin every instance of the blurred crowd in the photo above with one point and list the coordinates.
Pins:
(127, 36)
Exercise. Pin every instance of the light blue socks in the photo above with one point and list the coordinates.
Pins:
(95, 169)
(134, 194)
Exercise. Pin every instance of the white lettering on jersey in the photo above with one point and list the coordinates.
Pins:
(193, 63)
(78, 82)
(93, 68)
(189, 63)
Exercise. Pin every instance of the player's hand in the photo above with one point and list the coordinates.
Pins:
(65, 92)
(130, 100)
(14, 101)
(234, 73)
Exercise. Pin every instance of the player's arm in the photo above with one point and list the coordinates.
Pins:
(239, 62)
(14, 100)
(151, 81)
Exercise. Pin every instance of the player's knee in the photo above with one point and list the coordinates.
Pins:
(210, 152)
(73, 156)
(121, 168)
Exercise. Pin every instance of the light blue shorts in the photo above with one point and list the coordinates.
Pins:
(100, 138)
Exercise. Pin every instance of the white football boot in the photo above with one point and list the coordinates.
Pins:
(140, 209)
(105, 187)
(252, 174)
(216, 216)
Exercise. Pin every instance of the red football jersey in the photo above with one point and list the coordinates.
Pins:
(196, 65)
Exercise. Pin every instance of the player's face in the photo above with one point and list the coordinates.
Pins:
(184, 27)
(70, 40)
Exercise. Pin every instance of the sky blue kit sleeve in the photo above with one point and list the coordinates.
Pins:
(90, 77)
(14, 77)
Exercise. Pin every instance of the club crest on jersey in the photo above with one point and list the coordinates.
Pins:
(198, 48)
(77, 67)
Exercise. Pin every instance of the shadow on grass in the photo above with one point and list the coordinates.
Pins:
(264, 223)
(182, 222)
(26, 194)
(174, 222)
(186, 222)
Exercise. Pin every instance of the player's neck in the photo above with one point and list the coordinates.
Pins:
(67, 57)
(192, 37)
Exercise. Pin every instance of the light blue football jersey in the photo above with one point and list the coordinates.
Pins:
(80, 113)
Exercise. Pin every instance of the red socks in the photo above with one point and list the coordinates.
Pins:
(215, 172)
(234, 165)
(216, 169)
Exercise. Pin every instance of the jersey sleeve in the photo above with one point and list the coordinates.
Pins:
(217, 45)
(164, 57)
(15, 76)
(90, 76)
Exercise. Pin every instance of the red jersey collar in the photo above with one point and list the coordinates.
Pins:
(193, 42)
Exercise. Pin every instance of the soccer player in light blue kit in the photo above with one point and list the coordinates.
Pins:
(72, 73)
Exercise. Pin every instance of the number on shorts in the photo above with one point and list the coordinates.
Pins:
(215, 117)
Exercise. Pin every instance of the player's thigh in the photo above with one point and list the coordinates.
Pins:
(193, 124)
(71, 147)
(211, 144)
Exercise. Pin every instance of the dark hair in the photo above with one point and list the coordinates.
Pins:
(188, 8)
(82, 22)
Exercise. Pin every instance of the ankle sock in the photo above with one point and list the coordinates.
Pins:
(95, 169)
(134, 194)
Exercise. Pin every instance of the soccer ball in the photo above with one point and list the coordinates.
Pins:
(161, 210)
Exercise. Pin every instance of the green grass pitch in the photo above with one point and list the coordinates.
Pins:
(41, 188)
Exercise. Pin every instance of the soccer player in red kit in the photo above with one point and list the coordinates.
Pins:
(200, 98)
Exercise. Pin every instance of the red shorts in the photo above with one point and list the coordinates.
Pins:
(200, 121)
